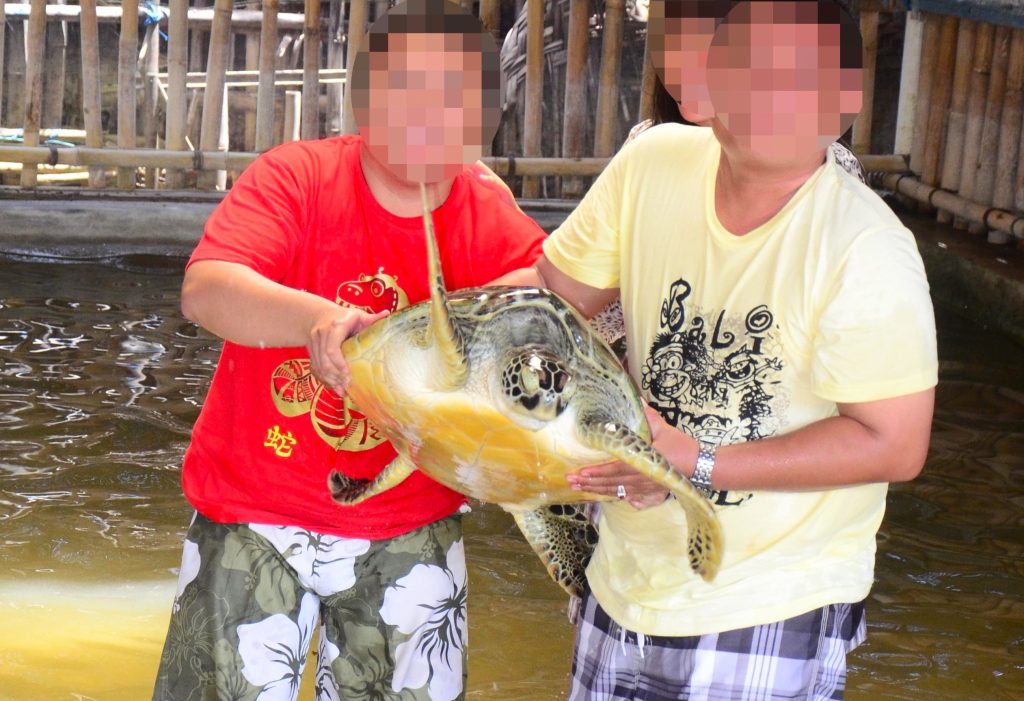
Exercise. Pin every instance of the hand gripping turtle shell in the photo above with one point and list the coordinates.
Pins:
(499, 393)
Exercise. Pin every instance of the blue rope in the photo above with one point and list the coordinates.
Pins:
(154, 15)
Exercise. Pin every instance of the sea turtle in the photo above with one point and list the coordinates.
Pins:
(498, 393)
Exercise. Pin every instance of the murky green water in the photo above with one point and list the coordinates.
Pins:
(101, 379)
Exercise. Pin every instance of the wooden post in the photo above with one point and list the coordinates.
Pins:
(34, 84)
(1010, 127)
(213, 98)
(55, 67)
(357, 13)
(292, 115)
(985, 179)
(3, 41)
(648, 83)
(534, 105)
(929, 51)
(127, 61)
(268, 65)
(983, 44)
(952, 162)
(605, 141)
(575, 112)
(490, 16)
(177, 71)
(151, 94)
(909, 80)
(938, 107)
(91, 101)
(335, 91)
(311, 71)
(869, 35)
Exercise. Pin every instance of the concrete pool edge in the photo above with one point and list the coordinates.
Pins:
(977, 279)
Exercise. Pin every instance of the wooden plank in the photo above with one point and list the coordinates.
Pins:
(92, 107)
(36, 44)
(606, 139)
(310, 71)
(534, 104)
(127, 60)
(177, 102)
(213, 98)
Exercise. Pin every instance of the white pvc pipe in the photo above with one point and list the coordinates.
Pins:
(909, 76)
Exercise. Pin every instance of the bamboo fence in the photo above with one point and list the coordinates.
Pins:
(207, 86)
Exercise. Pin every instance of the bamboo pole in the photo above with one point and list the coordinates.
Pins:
(906, 114)
(292, 115)
(605, 141)
(938, 107)
(35, 44)
(268, 65)
(128, 158)
(575, 112)
(54, 75)
(3, 41)
(213, 98)
(198, 41)
(127, 57)
(91, 101)
(310, 71)
(534, 114)
(952, 162)
(983, 45)
(985, 179)
(986, 217)
(252, 62)
(869, 34)
(357, 13)
(648, 83)
(335, 45)
(177, 69)
(929, 51)
(490, 16)
(151, 94)
(1010, 129)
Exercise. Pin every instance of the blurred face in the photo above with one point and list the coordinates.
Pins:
(425, 116)
(679, 52)
(775, 81)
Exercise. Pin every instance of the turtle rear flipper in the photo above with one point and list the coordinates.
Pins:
(349, 491)
(704, 534)
(564, 539)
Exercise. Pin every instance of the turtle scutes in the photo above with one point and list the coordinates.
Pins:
(499, 393)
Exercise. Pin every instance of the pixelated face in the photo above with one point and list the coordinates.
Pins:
(775, 80)
(679, 52)
(425, 116)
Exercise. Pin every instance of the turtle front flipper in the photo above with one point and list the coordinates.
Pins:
(349, 491)
(564, 539)
(442, 333)
(704, 534)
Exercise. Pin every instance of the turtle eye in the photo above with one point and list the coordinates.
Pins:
(537, 384)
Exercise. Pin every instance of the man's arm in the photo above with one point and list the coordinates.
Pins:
(236, 303)
(880, 441)
(587, 300)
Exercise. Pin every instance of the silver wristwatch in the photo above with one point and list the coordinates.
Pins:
(705, 464)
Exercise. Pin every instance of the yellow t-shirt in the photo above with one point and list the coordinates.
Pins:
(740, 338)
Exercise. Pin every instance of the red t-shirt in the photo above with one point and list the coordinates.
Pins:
(269, 433)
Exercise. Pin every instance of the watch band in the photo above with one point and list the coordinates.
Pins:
(705, 465)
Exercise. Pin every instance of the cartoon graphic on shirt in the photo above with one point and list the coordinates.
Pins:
(295, 391)
(715, 375)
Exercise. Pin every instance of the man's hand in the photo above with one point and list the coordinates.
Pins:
(641, 491)
(328, 332)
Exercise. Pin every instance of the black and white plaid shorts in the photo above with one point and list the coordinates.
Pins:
(803, 657)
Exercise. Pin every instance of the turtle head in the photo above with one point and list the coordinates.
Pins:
(536, 383)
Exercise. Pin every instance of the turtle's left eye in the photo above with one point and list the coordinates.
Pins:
(537, 383)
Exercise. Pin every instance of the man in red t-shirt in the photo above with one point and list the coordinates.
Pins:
(315, 241)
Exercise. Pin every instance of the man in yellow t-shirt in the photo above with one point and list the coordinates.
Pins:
(779, 325)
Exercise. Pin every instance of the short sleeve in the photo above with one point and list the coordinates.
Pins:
(876, 332)
(260, 221)
(586, 246)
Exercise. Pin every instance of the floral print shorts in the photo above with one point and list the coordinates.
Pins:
(391, 613)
